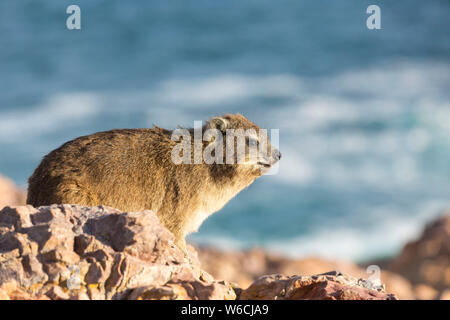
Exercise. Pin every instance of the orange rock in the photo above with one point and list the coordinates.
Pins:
(77, 252)
(328, 286)
(427, 259)
(243, 267)
(424, 292)
(445, 295)
(10, 194)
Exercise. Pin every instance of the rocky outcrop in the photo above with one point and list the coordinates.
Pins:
(10, 194)
(420, 271)
(327, 286)
(426, 261)
(244, 267)
(76, 252)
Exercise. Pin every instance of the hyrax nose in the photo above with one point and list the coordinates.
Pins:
(276, 155)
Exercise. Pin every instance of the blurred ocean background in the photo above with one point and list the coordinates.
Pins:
(364, 116)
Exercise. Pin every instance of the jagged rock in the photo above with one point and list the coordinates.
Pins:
(76, 252)
(426, 261)
(328, 286)
(420, 271)
(10, 194)
(244, 267)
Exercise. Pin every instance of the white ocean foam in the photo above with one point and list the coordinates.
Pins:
(55, 113)
(323, 136)
(225, 88)
(387, 234)
(390, 93)
(384, 236)
(295, 168)
(221, 242)
(409, 109)
(401, 80)
(392, 153)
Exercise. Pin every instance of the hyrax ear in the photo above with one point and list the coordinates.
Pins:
(218, 123)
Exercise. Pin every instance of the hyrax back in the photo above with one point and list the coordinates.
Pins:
(132, 169)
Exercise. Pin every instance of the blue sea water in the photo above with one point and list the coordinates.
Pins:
(364, 115)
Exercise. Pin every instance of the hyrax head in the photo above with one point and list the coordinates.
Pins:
(235, 141)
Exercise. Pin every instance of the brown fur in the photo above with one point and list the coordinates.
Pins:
(131, 169)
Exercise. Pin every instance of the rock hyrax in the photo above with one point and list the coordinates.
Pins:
(133, 169)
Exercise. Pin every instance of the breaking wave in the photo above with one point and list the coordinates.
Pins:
(367, 149)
